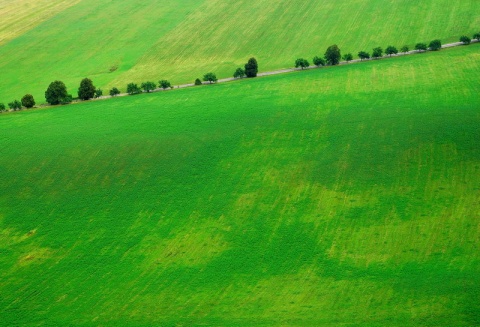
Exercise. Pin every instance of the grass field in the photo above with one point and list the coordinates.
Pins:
(20, 16)
(347, 196)
(182, 40)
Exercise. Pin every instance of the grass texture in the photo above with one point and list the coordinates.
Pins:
(134, 41)
(347, 196)
(20, 16)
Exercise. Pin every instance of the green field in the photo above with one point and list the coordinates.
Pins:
(345, 196)
(184, 39)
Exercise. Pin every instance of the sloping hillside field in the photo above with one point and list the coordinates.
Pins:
(115, 43)
(346, 196)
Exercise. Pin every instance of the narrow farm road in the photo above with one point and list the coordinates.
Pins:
(288, 70)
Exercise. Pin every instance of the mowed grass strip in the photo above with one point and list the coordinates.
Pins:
(342, 196)
(180, 41)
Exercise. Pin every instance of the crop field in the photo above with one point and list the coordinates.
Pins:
(20, 16)
(134, 41)
(346, 196)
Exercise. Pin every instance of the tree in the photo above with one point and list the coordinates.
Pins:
(15, 105)
(68, 99)
(198, 81)
(239, 73)
(210, 77)
(377, 52)
(133, 88)
(148, 86)
(363, 55)
(251, 67)
(347, 57)
(114, 91)
(405, 49)
(391, 50)
(435, 45)
(317, 61)
(28, 101)
(477, 36)
(56, 92)
(421, 47)
(332, 55)
(86, 90)
(2, 107)
(164, 84)
(303, 63)
(465, 39)
(98, 93)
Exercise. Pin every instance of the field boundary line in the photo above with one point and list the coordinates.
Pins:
(268, 73)
(289, 70)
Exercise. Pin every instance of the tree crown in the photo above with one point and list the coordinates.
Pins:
(15, 105)
(421, 47)
(114, 91)
(363, 55)
(377, 52)
(133, 88)
(98, 93)
(333, 55)
(148, 86)
(391, 50)
(86, 90)
(303, 63)
(435, 45)
(164, 84)
(465, 39)
(67, 99)
(317, 61)
(251, 67)
(210, 77)
(347, 57)
(239, 73)
(28, 101)
(56, 92)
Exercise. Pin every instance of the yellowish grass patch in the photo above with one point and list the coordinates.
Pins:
(20, 16)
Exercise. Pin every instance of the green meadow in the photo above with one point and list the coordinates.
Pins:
(117, 43)
(344, 196)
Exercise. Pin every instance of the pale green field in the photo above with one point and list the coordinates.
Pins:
(20, 16)
(346, 196)
(182, 40)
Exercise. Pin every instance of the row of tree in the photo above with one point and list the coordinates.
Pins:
(56, 92)
(333, 55)
(27, 102)
(466, 40)
(250, 70)
(147, 87)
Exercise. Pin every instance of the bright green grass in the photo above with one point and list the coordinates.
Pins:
(184, 39)
(346, 196)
